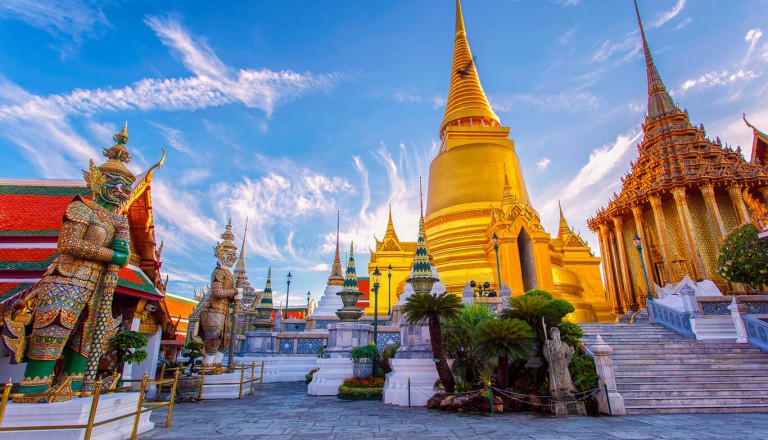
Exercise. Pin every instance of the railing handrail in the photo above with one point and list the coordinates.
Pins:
(683, 328)
(97, 392)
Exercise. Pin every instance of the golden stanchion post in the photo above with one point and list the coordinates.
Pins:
(92, 413)
(253, 376)
(138, 407)
(242, 379)
(202, 383)
(160, 385)
(173, 398)
(261, 378)
(6, 394)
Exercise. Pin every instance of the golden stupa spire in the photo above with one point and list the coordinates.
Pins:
(659, 101)
(336, 278)
(564, 229)
(508, 197)
(390, 233)
(467, 104)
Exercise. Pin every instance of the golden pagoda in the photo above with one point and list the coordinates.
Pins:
(465, 209)
(683, 195)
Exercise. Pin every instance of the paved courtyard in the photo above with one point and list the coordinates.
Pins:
(284, 411)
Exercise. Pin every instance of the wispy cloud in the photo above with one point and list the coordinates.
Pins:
(684, 23)
(173, 136)
(68, 20)
(666, 16)
(543, 163)
(437, 101)
(568, 2)
(711, 79)
(752, 38)
(572, 100)
(566, 37)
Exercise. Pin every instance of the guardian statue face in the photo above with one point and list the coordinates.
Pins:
(115, 190)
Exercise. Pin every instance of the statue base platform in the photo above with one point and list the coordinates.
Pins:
(75, 412)
(331, 373)
(225, 386)
(344, 336)
(280, 368)
(422, 374)
(259, 344)
(567, 405)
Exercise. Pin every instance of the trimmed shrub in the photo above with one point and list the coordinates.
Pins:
(743, 257)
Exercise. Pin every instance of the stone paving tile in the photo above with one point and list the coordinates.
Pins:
(284, 411)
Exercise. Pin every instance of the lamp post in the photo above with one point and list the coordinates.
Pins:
(389, 288)
(639, 245)
(376, 279)
(308, 294)
(495, 240)
(287, 292)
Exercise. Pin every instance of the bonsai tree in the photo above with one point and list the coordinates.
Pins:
(369, 352)
(193, 350)
(128, 344)
(505, 339)
(435, 308)
(743, 257)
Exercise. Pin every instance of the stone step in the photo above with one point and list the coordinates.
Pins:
(671, 386)
(695, 392)
(693, 401)
(685, 347)
(636, 377)
(666, 360)
(690, 409)
(670, 356)
(702, 369)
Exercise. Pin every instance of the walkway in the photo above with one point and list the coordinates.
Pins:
(285, 411)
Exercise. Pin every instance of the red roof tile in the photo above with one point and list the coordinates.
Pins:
(26, 258)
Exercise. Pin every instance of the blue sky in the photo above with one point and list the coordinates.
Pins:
(285, 112)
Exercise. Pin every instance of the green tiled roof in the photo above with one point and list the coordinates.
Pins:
(46, 190)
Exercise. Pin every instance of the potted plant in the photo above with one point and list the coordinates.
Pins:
(362, 358)
(128, 345)
(189, 384)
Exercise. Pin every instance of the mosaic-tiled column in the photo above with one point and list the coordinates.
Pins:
(608, 270)
(684, 215)
(708, 191)
(618, 225)
(637, 212)
(661, 232)
(738, 202)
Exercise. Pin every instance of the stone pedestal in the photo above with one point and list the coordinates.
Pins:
(75, 412)
(607, 377)
(331, 373)
(281, 368)
(344, 336)
(415, 342)
(567, 405)
(737, 311)
(422, 375)
(259, 344)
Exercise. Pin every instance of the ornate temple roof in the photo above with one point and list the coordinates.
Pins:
(759, 144)
(466, 98)
(674, 153)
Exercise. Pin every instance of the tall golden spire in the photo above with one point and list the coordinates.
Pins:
(564, 229)
(467, 104)
(659, 101)
(336, 278)
(508, 197)
(390, 233)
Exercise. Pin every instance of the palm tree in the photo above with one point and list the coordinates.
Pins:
(505, 339)
(434, 308)
(531, 309)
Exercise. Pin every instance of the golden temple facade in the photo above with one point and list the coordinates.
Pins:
(682, 196)
(465, 209)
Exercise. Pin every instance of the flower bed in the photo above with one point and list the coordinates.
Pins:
(361, 389)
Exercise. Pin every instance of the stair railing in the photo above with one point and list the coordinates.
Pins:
(670, 318)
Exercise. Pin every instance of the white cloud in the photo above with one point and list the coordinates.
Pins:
(194, 176)
(566, 37)
(196, 55)
(623, 50)
(713, 78)
(543, 164)
(173, 136)
(572, 100)
(67, 20)
(568, 2)
(752, 37)
(684, 23)
(667, 15)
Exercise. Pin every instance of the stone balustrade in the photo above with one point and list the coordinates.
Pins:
(670, 318)
(757, 332)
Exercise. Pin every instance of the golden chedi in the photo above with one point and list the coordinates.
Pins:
(466, 208)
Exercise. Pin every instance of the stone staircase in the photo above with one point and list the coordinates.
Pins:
(661, 372)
